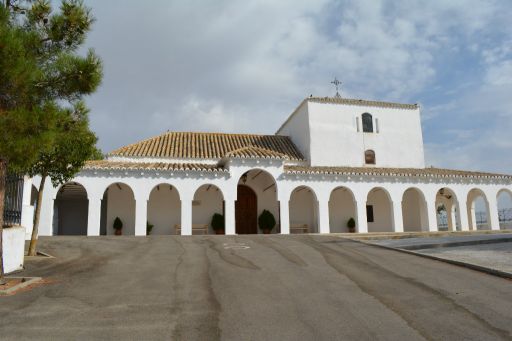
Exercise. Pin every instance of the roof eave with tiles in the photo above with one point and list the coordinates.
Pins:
(256, 153)
(177, 145)
(402, 172)
(362, 102)
(160, 166)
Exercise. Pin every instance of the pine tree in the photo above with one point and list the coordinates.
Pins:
(42, 81)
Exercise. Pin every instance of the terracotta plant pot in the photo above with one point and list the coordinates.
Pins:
(352, 229)
(119, 232)
(266, 231)
(219, 231)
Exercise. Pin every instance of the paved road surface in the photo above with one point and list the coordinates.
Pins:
(251, 288)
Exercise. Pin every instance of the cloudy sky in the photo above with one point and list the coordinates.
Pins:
(243, 66)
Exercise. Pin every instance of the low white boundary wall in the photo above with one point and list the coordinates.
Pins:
(14, 248)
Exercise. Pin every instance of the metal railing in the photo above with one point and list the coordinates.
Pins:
(13, 201)
(505, 218)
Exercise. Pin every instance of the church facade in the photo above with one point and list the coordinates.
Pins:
(332, 160)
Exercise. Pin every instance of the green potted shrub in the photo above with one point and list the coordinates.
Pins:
(351, 224)
(149, 228)
(266, 222)
(118, 226)
(218, 223)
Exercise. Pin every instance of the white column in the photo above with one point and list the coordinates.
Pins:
(186, 216)
(362, 223)
(450, 216)
(46, 217)
(284, 213)
(27, 189)
(323, 216)
(432, 215)
(398, 220)
(494, 219)
(141, 216)
(27, 211)
(463, 214)
(472, 222)
(229, 216)
(94, 216)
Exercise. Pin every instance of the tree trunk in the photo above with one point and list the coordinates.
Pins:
(33, 239)
(3, 175)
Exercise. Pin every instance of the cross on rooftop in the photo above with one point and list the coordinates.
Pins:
(336, 83)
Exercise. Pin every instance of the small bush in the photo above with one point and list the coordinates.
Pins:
(118, 224)
(217, 222)
(149, 228)
(266, 220)
(351, 223)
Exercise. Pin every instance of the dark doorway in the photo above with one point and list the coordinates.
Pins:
(71, 209)
(246, 211)
(103, 217)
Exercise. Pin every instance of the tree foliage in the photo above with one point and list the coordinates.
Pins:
(74, 144)
(43, 80)
(40, 74)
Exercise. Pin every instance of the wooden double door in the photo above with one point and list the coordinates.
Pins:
(246, 211)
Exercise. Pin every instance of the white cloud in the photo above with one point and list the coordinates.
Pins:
(244, 66)
(212, 115)
(483, 139)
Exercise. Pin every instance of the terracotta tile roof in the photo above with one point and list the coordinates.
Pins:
(255, 152)
(422, 172)
(208, 146)
(362, 102)
(120, 165)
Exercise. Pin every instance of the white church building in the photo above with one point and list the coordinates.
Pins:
(333, 159)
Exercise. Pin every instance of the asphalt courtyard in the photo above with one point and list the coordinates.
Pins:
(251, 288)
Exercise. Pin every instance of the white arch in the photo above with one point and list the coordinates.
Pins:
(477, 222)
(163, 209)
(379, 201)
(504, 209)
(208, 200)
(342, 207)
(451, 217)
(252, 177)
(264, 185)
(118, 201)
(71, 209)
(414, 210)
(303, 209)
(61, 187)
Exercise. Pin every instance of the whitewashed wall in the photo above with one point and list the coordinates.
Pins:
(13, 243)
(297, 128)
(135, 213)
(329, 137)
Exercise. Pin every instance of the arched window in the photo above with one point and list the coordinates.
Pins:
(367, 123)
(369, 157)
